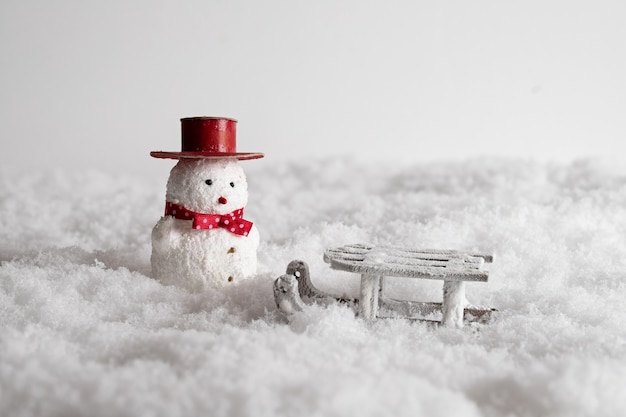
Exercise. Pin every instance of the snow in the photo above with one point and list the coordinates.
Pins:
(85, 330)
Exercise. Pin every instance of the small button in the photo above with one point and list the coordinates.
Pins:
(230, 279)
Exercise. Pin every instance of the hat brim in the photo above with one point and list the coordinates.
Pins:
(207, 155)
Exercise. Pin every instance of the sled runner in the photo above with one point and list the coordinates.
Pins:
(375, 264)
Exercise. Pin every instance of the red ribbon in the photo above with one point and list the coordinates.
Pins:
(233, 222)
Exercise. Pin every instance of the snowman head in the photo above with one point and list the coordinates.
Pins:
(212, 186)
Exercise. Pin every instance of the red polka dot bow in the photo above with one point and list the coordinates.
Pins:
(233, 222)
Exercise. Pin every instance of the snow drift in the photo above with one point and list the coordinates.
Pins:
(85, 330)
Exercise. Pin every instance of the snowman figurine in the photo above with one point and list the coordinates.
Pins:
(203, 241)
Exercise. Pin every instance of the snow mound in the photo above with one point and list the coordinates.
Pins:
(85, 330)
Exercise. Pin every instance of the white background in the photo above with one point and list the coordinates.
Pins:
(101, 84)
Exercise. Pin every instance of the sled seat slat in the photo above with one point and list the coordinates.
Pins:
(391, 261)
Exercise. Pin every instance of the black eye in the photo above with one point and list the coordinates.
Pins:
(209, 182)
(232, 184)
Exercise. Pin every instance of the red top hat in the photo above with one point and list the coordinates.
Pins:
(208, 137)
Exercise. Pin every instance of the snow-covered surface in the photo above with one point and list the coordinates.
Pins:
(85, 330)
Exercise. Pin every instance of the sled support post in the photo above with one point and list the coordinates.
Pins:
(453, 303)
(370, 288)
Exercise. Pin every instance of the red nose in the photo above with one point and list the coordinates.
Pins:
(222, 200)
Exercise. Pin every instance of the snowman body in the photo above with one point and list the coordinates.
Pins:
(215, 255)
